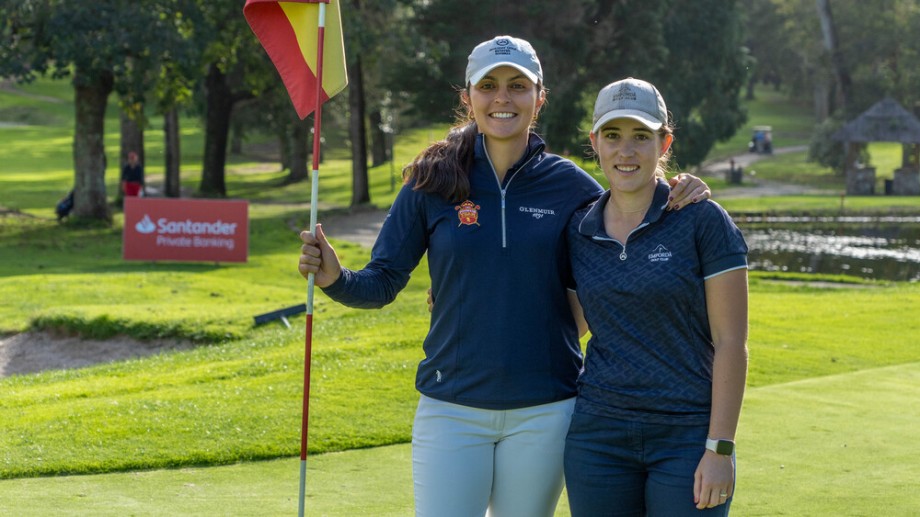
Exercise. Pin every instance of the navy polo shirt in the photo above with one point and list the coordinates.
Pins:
(650, 355)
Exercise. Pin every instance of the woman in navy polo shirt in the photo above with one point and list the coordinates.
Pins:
(665, 296)
(489, 207)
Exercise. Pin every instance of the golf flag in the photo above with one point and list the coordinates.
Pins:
(288, 32)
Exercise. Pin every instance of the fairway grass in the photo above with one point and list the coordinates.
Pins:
(841, 445)
(833, 383)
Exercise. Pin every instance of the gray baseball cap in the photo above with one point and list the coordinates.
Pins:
(630, 98)
(503, 51)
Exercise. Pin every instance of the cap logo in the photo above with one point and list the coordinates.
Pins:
(624, 93)
(503, 48)
(630, 98)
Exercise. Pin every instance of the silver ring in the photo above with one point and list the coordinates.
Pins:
(723, 494)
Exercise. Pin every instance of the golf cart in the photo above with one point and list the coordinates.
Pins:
(761, 140)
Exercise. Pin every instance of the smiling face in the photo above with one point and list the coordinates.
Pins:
(628, 153)
(504, 104)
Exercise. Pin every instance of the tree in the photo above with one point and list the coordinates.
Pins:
(175, 80)
(53, 37)
(586, 44)
(870, 51)
(770, 53)
(171, 187)
(616, 49)
(297, 135)
(132, 122)
(373, 34)
(863, 49)
(704, 100)
(845, 55)
(102, 46)
(838, 63)
(447, 31)
(877, 49)
(235, 68)
(357, 132)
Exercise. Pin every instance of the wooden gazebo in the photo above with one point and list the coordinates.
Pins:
(886, 121)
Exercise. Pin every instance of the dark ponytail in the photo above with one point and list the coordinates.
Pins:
(443, 168)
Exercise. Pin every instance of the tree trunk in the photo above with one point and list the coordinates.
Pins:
(829, 33)
(236, 139)
(298, 135)
(357, 133)
(822, 99)
(132, 138)
(171, 132)
(749, 92)
(284, 144)
(378, 139)
(217, 132)
(91, 94)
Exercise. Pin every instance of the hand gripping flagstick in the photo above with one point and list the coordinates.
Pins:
(314, 197)
(285, 30)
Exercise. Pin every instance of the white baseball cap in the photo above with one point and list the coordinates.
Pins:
(630, 98)
(503, 51)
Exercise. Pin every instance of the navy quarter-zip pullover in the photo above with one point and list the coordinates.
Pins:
(502, 334)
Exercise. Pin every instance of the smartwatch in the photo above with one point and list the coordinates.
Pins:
(721, 447)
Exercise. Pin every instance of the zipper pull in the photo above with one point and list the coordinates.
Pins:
(623, 254)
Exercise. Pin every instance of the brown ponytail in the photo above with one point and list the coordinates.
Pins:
(443, 168)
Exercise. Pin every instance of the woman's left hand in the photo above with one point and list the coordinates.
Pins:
(686, 189)
(714, 480)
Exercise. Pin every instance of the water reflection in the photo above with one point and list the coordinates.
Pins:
(886, 248)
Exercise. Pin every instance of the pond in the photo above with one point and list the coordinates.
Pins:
(882, 248)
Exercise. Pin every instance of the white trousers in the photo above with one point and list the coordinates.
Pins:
(467, 461)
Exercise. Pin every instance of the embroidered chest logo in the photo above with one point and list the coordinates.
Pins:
(661, 254)
(468, 213)
(537, 213)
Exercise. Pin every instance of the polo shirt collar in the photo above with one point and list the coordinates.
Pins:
(592, 225)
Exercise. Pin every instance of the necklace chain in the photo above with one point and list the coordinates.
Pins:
(617, 210)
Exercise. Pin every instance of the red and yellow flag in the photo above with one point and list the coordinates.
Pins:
(288, 32)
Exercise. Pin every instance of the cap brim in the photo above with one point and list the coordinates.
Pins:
(639, 116)
(476, 77)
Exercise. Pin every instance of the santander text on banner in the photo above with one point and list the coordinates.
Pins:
(185, 230)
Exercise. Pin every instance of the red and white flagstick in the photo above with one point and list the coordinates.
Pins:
(314, 197)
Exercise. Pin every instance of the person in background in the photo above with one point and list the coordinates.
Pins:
(132, 176)
(664, 294)
(489, 207)
(64, 206)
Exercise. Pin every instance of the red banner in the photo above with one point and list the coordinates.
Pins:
(189, 230)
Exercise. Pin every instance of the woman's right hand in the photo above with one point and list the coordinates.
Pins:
(318, 257)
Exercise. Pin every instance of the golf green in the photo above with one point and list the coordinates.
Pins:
(835, 445)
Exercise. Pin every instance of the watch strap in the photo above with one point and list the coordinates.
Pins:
(721, 447)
